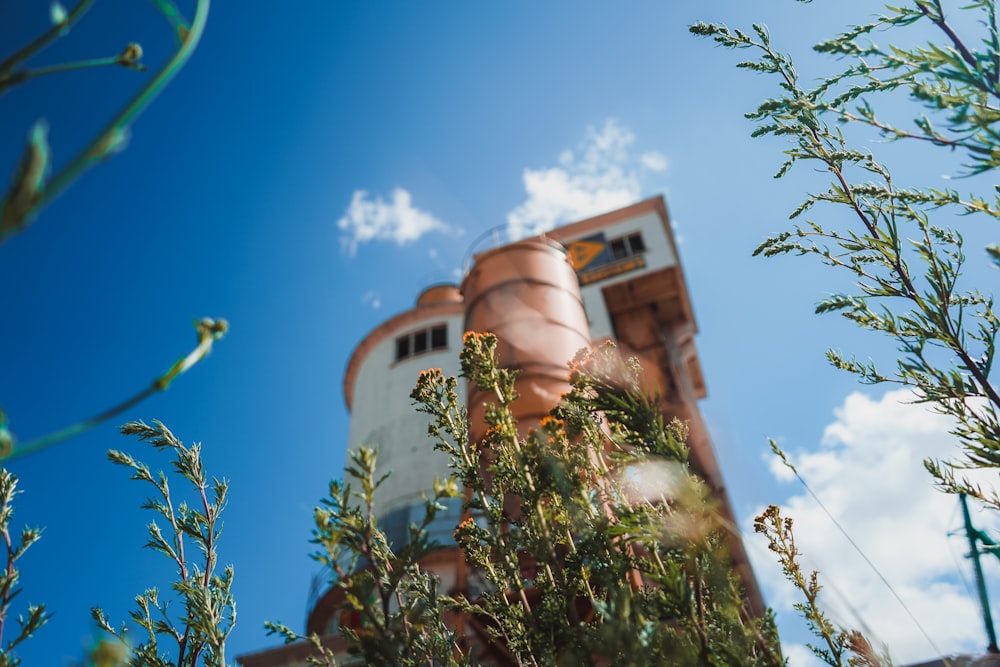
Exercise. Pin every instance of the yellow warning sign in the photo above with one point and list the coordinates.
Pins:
(610, 270)
(581, 253)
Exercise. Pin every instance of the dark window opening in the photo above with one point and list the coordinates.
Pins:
(626, 246)
(636, 243)
(618, 249)
(422, 341)
(439, 337)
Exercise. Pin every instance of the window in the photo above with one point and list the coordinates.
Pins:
(439, 338)
(626, 246)
(422, 341)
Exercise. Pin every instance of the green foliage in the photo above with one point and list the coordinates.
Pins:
(908, 268)
(209, 330)
(628, 551)
(31, 187)
(839, 647)
(402, 610)
(590, 541)
(197, 636)
(209, 610)
(35, 616)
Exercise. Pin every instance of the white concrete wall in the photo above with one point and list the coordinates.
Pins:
(384, 418)
(659, 254)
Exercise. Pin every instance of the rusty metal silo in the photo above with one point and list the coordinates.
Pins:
(528, 295)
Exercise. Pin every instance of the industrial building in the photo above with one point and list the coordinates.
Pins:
(615, 276)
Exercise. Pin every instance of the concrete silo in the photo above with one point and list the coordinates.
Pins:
(615, 276)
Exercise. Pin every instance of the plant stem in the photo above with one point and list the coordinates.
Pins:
(43, 40)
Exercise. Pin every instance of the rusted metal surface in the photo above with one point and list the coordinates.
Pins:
(528, 295)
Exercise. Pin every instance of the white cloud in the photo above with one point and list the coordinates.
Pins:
(868, 472)
(675, 226)
(653, 161)
(376, 219)
(799, 655)
(601, 175)
(372, 299)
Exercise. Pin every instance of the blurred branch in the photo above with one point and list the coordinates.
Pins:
(59, 29)
(29, 191)
(129, 57)
(174, 17)
(209, 331)
(10, 575)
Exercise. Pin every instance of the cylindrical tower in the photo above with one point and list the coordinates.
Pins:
(380, 375)
(627, 277)
(528, 295)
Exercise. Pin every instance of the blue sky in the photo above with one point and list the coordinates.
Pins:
(420, 127)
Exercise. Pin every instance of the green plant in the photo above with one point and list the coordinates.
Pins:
(35, 616)
(208, 331)
(31, 187)
(402, 609)
(838, 646)
(594, 542)
(197, 635)
(896, 242)
(899, 243)
(209, 608)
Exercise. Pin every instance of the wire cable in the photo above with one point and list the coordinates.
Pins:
(784, 459)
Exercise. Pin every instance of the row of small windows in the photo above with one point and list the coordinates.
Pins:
(421, 341)
(627, 246)
(436, 337)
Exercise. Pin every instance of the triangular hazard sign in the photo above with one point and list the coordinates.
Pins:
(581, 253)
